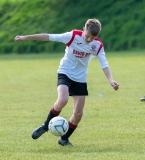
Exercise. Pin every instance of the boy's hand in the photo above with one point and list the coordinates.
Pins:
(19, 38)
(115, 85)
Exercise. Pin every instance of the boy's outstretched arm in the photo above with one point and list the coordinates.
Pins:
(108, 74)
(39, 37)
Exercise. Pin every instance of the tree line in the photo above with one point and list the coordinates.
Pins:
(122, 23)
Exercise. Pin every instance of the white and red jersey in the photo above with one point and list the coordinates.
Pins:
(78, 54)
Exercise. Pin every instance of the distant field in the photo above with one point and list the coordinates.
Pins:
(113, 126)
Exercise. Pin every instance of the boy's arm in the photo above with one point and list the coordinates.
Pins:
(108, 74)
(40, 37)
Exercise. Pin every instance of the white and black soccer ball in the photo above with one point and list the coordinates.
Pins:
(58, 126)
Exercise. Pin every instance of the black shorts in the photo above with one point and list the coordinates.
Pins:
(75, 88)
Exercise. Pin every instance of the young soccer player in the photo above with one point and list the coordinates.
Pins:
(81, 48)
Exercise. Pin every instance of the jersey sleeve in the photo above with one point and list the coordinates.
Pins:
(64, 37)
(102, 59)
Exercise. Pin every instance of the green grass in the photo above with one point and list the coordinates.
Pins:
(18, 1)
(113, 125)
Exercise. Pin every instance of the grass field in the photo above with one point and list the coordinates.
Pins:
(113, 125)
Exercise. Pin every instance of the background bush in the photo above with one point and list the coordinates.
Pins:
(122, 22)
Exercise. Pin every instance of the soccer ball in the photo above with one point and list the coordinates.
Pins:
(58, 126)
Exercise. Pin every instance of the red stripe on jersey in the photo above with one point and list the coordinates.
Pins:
(75, 32)
(101, 45)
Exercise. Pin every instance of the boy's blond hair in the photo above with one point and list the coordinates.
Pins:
(93, 26)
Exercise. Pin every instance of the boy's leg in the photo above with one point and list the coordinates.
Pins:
(79, 102)
(59, 104)
(55, 111)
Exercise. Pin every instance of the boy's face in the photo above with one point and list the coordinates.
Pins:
(87, 36)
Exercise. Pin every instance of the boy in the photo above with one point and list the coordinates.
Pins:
(81, 47)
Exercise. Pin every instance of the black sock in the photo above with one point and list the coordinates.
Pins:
(51, 115)
(69, 132)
